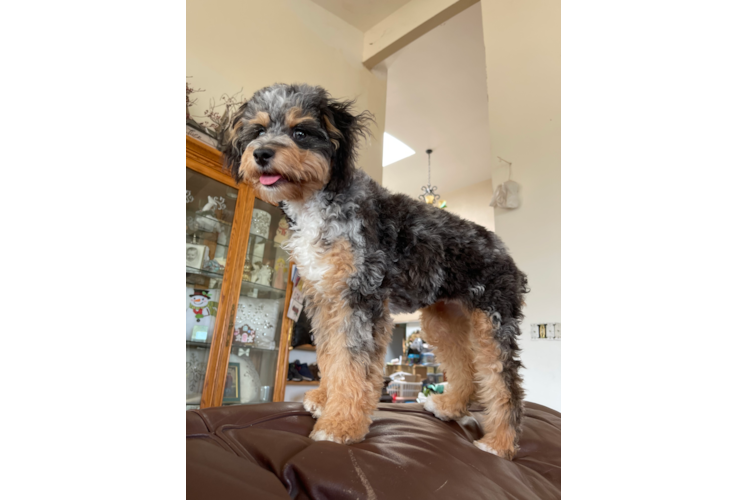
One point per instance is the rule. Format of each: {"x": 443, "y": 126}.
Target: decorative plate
{"x": 260, "y": 223}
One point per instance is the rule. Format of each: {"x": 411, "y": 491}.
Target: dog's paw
{"x": 324, "y": 436}
{"x": 314, "y": 403}
{"x": 340, "y": 431}
{"x": 430, "y": 406}
{"x": 313, "y": 408}
{"x": 443, "y": 408}
{"x": 491, "y": 448}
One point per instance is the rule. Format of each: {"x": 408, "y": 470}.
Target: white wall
{"x": 411, "y": 327}
{"x": 471, "y": 203}
{"x": 523, "y": 61}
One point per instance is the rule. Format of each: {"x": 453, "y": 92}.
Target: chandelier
{"x": 429, "y": 192}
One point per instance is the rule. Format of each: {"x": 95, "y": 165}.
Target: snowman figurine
{"x": 201, "y": 313}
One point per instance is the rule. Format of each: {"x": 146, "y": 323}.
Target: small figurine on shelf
{"x": 223, "y": 243}
{"x": 265, "y": 275}
{"x": 207, "y": 217}
{"x": 244, "y": 334}
{"x": 213, "y": 267}
{"x": 280, "y": 266}
{"x": 415, "y": 347}
{"x": 282, "y": 232}
{"x": 255, "y": 271}
{"x": 247, "y": 273}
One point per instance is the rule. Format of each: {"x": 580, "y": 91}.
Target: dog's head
{"x": 290, "y": 141}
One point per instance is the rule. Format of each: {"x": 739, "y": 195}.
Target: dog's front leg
{"x": 315, "y": 399}
{"x": 350, "y": 349}
{"x": 344, "y": 366}
{"x": 351, "y": 332}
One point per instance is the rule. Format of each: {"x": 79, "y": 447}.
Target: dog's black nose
{"x": 263, "y": 155}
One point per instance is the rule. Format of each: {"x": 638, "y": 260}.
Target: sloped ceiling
{"x": 363, "y": 14}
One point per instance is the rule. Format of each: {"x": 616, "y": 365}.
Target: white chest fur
{"x": 305, "y": 244}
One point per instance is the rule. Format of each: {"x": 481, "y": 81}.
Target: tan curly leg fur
{"x": 492, "y": 393}
{"x": 447, "y": 328}
{"x": 314, "y": 400}
{"x": 345, "y": 418}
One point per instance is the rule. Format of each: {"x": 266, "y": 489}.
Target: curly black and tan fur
{"x": 365, "y": 252}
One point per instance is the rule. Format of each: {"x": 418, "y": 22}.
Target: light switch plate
{"x": 552, "y": 331}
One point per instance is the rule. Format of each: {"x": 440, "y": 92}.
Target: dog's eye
{"x": 261, "y": 132}
{"x": 299, "y": 134}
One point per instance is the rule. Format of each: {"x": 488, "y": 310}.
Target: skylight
{"x": 394, "y": 150}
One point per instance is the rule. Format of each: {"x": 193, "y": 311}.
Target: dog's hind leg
{"x": 446, "y": 327}
{"x": 499, "y": 383}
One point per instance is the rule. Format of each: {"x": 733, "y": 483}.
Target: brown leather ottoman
{"x": 262, "y": 451}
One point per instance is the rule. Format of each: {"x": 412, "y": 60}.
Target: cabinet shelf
{"x": 262, "y": 288}
{"x": 263, "y": 239}
{"x": 313, "y": 382}
{"x": 192, "y": 343}
{"x": 253, "y": 348}
{"x": 245, "y": 283}
{"x": 201, "y": 240}
{"x": 204, "y": 272}
{"x": 208, "y": 218}
{"x": 304, "y": 347}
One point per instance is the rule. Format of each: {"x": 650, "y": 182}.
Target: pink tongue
{"x": 267, "y": 180}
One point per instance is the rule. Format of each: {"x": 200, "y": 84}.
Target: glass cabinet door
{"x": 259, "y": 314}
{"x": 210, "y": 213}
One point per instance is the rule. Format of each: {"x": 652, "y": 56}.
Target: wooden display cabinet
{"x": 238, "y": 285}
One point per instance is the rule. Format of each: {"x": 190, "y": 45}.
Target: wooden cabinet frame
{"x": 207, "y": 161}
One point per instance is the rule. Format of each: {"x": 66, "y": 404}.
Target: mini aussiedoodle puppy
{"x": 365, "y": 253}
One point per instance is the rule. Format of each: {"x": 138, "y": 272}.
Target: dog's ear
{"x": 346, "y": 130}
{"x": 229, "y": 141}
